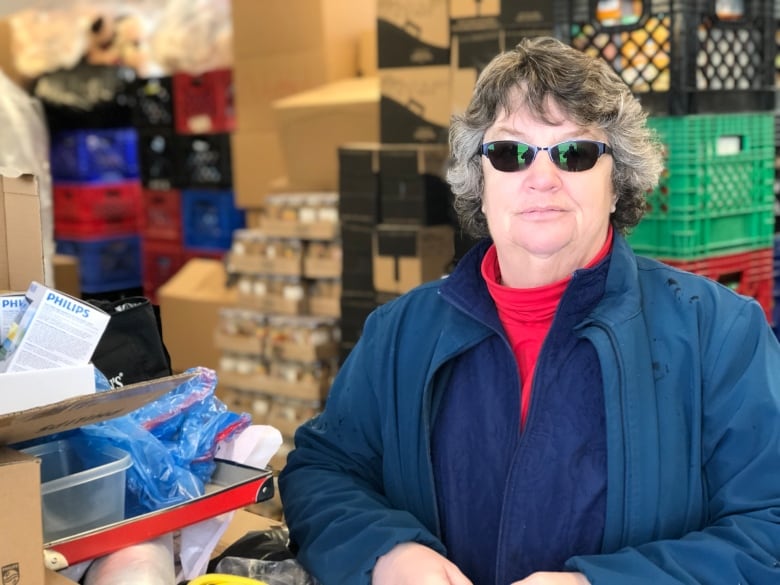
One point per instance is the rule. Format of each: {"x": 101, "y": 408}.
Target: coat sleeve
{"x": 332, "y": 486}
{"x": 740, "y": 435}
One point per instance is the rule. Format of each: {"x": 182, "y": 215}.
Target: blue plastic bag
{"x": 172, "y": 442}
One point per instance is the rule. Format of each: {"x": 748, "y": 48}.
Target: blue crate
{"x": 209, "y": 218}
{"x": 95, "y": 155}
{"x": 106, "y": 264}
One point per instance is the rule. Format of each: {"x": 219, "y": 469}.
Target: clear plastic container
{"x": 82, "y": 486}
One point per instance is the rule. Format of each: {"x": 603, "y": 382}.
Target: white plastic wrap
{"x": 56, "y": 34}
{"x": 193, "y": 36}
{"x": 46, "y": 40}
{"x": 24, "y": 145}
{"x": 148, "y": 563}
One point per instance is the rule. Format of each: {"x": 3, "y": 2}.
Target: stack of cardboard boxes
{"x": 281, "y": 50}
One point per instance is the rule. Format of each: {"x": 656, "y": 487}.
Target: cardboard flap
{"x": 83, "y": 410}
{"x": 21, "y": 240}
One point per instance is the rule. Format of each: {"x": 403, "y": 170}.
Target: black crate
{"x": 412, "y": 186}
{"x": 203, "y": 160}
{"x": 777, "y": 56}
{"x": 153, "y": 103}
{"x": 354, "y": 311}
{"x": 680, "y": 57}
{"x": 415, "y": 199}
{"x": 156, "y": 158}
{"x": 357, "y": 272}
{"x": 359, "y": 184}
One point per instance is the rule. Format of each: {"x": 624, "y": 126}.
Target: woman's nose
{"x": 542, "y": 173}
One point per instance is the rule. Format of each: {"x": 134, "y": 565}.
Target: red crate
{"x": 96, "y": 209}
{"x": 161, "y": 217}
{"x": 203, "y": 104}
{"x": 160, "y": 261}
{"x": 748, "y": 273}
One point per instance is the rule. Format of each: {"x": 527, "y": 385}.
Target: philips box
{"x": 11, "y": 306}
{"x": 55, "y": 330}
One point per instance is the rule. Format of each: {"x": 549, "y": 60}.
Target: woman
{"x": 557, "y": 410}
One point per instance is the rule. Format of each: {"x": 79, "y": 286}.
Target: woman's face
{"x": 544, "y": 218}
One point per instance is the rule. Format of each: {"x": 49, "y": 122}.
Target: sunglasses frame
{"x": 602, "y": 148}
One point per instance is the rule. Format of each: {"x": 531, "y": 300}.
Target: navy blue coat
{"x": 692, "y": 417}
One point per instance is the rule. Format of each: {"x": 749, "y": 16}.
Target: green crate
{"x": 716, "y": 195}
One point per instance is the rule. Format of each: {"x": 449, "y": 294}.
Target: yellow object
{"x": 220, "y": 579}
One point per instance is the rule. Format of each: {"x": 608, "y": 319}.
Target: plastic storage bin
{"x": 107, "y": 263}
{"x": 686, "y": 56}
{"x": 209, "y": 219}
{"x": 82, "y": 486}
{"x": 95, "y": 155}
{"x": 203, "y": 104}
{"x": 715, "y": 196}
{"x": 96, "y": 209}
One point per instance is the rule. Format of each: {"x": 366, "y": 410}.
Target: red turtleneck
{"x": 527, "y": 314}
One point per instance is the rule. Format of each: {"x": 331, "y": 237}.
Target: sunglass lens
{"x": 576, "y": 155}
{"x": 509, "y": 156}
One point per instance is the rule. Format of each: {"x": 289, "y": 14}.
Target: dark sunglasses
{"x": 509, "y": 156}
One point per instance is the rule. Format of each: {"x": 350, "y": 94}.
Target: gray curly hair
{"x": 587, "y": 91}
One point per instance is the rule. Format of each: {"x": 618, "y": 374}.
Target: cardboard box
{"x": 66, "y": 274}
{"x": 21, "y": 539}
{"x": 33, "y": 388}
{"x": 261, "y": 79}
{"x": 473, "y": 9}
{"x": 367, "y": 54}
{"x": 412, "y": 33}
{"x": 331, "y": 26}
{"x": 72, "y": 413}
{"x": 471, "y": 51}
{"x": 313, "y": 124}
{"x": 257, "y": 162}
{"x": 406, "y": 256}
{"x": 21, "y": 237}
{"x": 242, "y": 523}
{"x": 189, "y": 309}
{"x": 529, "y": 13}
{"x": 415, "y": 104}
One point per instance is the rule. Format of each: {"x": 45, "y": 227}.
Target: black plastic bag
{"x": 263, "y": 555}
{"x": 87, "y": 96}
{"x": 132, "y": 348}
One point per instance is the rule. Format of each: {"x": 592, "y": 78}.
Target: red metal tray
{"x": 233, "y": 486}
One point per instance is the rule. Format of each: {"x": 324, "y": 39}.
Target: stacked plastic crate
{"x": 161, "y": 233}
{"x": 185, "y": 122}
{"x": 97, "y": 202}
{"x": 204, "y": 117}
{"x": 706, "y": 75}
{"x": 776, "y": 310}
